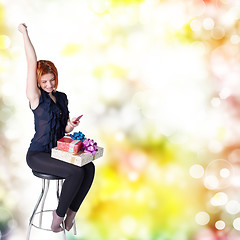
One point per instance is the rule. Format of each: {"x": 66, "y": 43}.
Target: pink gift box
{"x": 68, "y": 144}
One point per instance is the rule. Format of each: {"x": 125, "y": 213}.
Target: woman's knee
{"x": 90, "y": 168}
{"x": 76, "y": 172}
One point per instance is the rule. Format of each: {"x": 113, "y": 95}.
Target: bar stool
{"x": 45, "y": 186}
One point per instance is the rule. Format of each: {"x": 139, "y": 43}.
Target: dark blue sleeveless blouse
{"x": 50, "y": 120}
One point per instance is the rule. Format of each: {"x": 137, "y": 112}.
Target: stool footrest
{"x": 46, "y": 229}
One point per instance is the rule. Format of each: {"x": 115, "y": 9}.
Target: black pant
{"x": 78, "y": 180}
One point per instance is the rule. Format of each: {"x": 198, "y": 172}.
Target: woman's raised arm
{"x": 32, "y": 90}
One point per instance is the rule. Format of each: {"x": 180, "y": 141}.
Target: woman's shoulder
{"x": 61, "y": 96}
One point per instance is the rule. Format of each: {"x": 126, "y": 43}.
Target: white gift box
{"x": 79, "y": 159}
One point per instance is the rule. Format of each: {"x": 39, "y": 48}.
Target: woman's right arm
{"x": 32, "y": 90}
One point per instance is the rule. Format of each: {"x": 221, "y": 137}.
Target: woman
{"x": 51, "y": 117}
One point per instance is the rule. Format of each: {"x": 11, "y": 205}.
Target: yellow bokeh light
{"x": 5, "y": 42}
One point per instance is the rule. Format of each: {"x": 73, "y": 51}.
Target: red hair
{"x": 44, "y": 67}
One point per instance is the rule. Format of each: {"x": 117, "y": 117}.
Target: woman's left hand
{"x": 72, "y": 123}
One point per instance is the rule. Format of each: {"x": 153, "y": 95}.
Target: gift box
{"x": 68, "y": 144}
{"x": 79, "y": 159}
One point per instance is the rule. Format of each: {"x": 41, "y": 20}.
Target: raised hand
{"x": 22, "y": 27}
{"x": 32, "y": 91}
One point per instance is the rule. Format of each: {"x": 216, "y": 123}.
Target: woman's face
{"x": 48, "y": 82}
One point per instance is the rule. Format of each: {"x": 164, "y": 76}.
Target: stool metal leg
{"x": 64, "y": 231}
{"x": 74, "y": 228}
{"x": 35, "y": 209}
{"x": 43, "y": 202}
{"x": 58, "y": 188}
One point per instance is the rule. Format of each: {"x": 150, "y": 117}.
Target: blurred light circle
{"x": 232, "y": 207}
{"x": 218, "y": 33}
{"x": 220, "y": 225}
{"x": 11, "y": 134}
{"x": 202, "y": 218}
{"x": 235, "y": 39}
{"x": 224, "y": 173}
{"x": 236, "y": 223}
{"x": 219, "y": 199}
{"x": 133, "y": 176}
{"x": 211, "y": 182}
{"x": 137, "y": 160}
{"x": 218, "y": 174}
{"x": 195, "y": 25}
{"x": 234, "y": 156}
{"x": 128, "y": 225}
{"x": 196, "y": 171}
{"x": 208, "y": 23}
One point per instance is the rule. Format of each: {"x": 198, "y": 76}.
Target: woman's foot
{"x": 69, "y": 219}
{"x": 56, "y": 222}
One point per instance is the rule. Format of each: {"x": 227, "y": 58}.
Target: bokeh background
{"x": 158, "y": 84}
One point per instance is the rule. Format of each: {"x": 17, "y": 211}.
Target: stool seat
{"x": 46, "y": 176}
